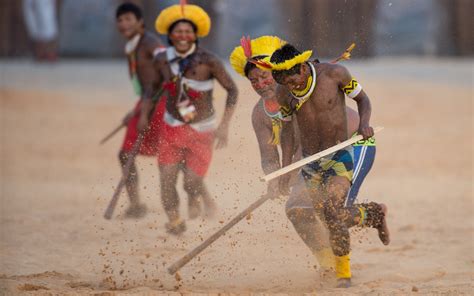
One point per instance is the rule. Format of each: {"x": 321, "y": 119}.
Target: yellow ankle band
{"x": 343, "y": 266}
{"x": 363, "y": 216}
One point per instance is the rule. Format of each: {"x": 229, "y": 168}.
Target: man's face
{"x": 182, "y": 37}
{"x": 296, "y": 82}
{"x": 262, "y": 82}
{"x": 128, "y": 25}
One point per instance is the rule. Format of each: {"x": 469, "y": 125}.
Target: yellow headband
{"x": 192, "y": 13}
{"x": 261, "y": 46}
{"x": 265, "y": 63}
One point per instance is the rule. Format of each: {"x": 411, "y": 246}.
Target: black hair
{"x": 129, "y": 7}
{"x": 250, "y": 66}
{"x": 181, "y": 21}
{"x": 286, "y": 52}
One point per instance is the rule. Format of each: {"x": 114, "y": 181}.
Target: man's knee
{"x": 190, "y": 187}
{"x": 123, "y": 157}
{"x": 193, "y": 184}
{"x": 337, "y": 188}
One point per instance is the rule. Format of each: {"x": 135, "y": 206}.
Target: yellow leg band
{"x": 326, "y": 258}
{"x": 343, "y": 266}
{"x": 363, "y": 216}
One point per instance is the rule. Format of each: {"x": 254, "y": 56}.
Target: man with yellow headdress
{"x": 314, "y": 94}
{"x": 189, "y": 131}
{"x": 267, "y": 120}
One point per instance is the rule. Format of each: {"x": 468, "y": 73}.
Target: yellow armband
{"x": 352, "y": 89}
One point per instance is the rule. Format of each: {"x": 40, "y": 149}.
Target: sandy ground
{"x": 56, "y": 182}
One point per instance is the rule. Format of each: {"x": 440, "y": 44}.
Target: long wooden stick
{"x": 316, "y": 156}
{"x": 111, "y": 134}
{"x": 186, "y": 258}
{"x": 126, "y": 172}
{"x": 189, "y": 256}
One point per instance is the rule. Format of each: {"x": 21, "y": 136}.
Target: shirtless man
{"x": 314, "y": 94}
{"x": 265, "y": 120}
{"x": 188, "y": 72}
{"x": 141, "y": 48}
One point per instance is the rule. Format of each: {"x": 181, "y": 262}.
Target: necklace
{"x": 310, "y": 85}
{"x": 276, "y": 114}
{"x": 302, "y": 99}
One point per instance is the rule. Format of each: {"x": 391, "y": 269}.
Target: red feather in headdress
{"x": 261, "y": 63}
{"x": 247, "y": 46}
{"x": 183, "y": 3}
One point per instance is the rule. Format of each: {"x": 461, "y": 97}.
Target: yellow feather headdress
{"x": 183, "y": 11}
{"x": 265, "y": 63}
{"x": 261, "y": 46}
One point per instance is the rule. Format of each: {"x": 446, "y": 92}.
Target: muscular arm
{"x": 288, "y": 140}
{"x": 288, "y": 131}
{"x": 364, "y": 107}
{"x": 149, "y": 80}
{"x": 224, "y": 79}
{"x": 270, "y": 159}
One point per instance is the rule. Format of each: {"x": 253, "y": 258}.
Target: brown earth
{"x": 56, "y": 182}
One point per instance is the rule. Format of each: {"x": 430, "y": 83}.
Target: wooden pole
{"x": 316, "y": 156}
{"x": 186, "y": 258}
{"x": 126, "y": 171}
{"x": 111, "y": 134}
{"x": 197, "y": 250}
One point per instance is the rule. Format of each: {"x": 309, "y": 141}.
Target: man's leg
{"x": 339, "y": 219}
{"x": 364, "y": 157}
{"x": 135, "y": 210}
{"x": 335, "y": 191}
{"x": 196, "y": 189}
{"x": 314, "y": 234}
{"x": 309, "y": 226}
{"x": 169, "y": 197}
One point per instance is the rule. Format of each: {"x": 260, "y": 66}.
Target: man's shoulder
{"x": 152, "y": 43}
{"x": 151, "y": 38}
{"x": 330, "y": 69}
{"x": 206, "y": 55}
{"x": 259, "y": 118}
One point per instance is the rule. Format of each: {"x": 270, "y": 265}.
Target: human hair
{"x": 286, "y": 52}
{"x": 250, "y": 66}
{"x": 170, "y": 29}
{"x": 128, "y": 7}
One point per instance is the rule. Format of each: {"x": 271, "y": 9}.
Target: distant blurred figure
{"x": 141, "y": 48}
{"x": 41, "y": 22}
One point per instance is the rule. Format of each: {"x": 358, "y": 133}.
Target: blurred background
{"x": 414, "y": 58}
{"x": 86, "y": 28}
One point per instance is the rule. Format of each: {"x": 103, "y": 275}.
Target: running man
{"x": 141, "y": 47}
{"x": 265, "y": 120}
{"x": 313, "y": 94}
{"x": 188, "y": 73}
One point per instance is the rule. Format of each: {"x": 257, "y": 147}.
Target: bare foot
{"x": 343, "y": 283}
{"x": 136, "y": 211}
{"x": 194, "y": 207}
{"x": 384, "y": 233}
{"x": 176, "y": 227}
{"x": 210, "y": 208}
